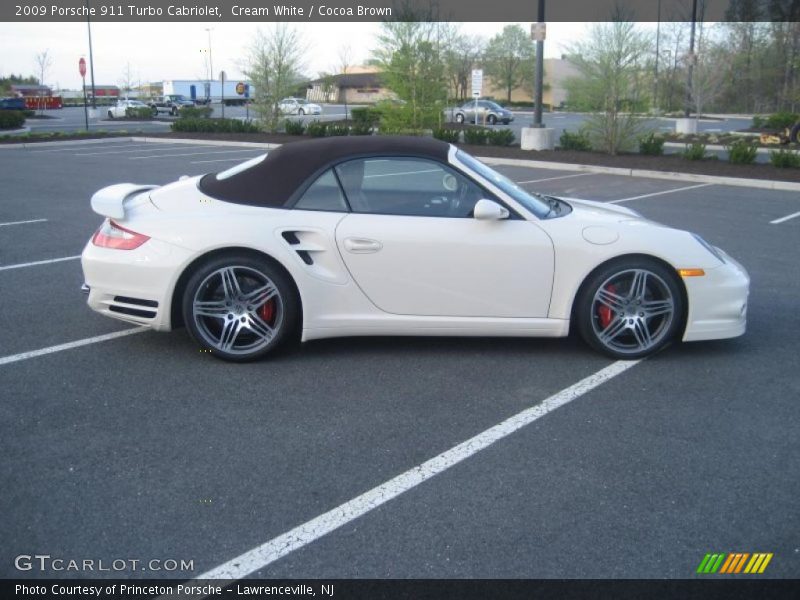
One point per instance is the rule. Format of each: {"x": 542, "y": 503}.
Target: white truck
{"x": 204, "y": 91}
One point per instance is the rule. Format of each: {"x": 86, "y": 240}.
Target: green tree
{"x": 609, "y": 60}
{"x": 410, "y": 59}
{"x": 509, "y": 59}
{"x": 274, "y": 67}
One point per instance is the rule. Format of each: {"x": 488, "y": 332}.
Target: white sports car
{"x": 397, "y": 236}
{"x": 119, "y": 110}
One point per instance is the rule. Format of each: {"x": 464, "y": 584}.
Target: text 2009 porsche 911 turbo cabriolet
{"x": 397, "y": 236}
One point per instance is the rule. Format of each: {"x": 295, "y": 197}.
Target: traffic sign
{"x": 222, "y": 76}
{"x": 477, "y": 81}
{"x": 240, "y": 88}
{"x": 82, "y": 67}
{"x": 538, "y": 32}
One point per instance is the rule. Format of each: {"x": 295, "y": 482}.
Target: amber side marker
{"x": 691, "y": 272}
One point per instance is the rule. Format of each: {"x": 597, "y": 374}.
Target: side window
{"x": 407, "y": 186}
{"x": 323, "y": 194}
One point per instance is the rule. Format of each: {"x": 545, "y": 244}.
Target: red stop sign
{"x": 82, "y": 67}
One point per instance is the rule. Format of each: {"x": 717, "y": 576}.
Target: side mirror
{"x": 488, "y": 210}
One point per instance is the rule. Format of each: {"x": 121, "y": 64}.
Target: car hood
{"x": 593, "y": 210}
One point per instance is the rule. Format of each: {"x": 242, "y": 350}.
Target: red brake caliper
{"x": 267, "y": 311}
{"x": 604, "y": 313}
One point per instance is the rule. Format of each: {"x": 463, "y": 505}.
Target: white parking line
{"x": 552, "y": 178}
{"x": 683, "y": 189}
{"x": 235, "y": 158}
{"x": 267, "y": 553}
{"x": 70, "y": 345}
{"x": 784, "y": 219}
{"x": 176, "y": 147}
{"x": 22, "y": 222}
{"x": 188, "y": 154}
{"x": 38, "y": 262}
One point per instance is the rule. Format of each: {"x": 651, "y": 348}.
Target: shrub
{"x": 11, "y": 119}
{"x": 365, "y": 114}
{"x": 574, "y": 141}
{"x": 294, "y": 127}
{"x": 476, "y": 136}
{"x": 28, "y": 112}
{"x": 194, "y": 112}
{"x": 361, "y": 129}
{"x": 781, "y": 120}
{"x": 316, "y": 129}
{"x": 651, "y": 145}
{"x": 139, "y": 112}
{"x": 694, "y": 151}
{"x": 742, "y": 152}
{"x": 759, "y": 122}
{"x": 451, "y": 136}
{"x": 784, "y": 159}
{"x": 336, "y": 130}
{"x": 500, "y": 137}
{"x": 214, "y": 126}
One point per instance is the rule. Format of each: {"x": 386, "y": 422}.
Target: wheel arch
{"x": 623, "y": 258}
{"x": 176, "y": 313}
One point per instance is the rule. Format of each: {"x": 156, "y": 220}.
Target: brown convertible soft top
{"x": 274, "y": 181}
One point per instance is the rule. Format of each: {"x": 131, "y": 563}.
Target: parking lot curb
{"x": 104, "y": 140}
{"x": 764, "y": 184}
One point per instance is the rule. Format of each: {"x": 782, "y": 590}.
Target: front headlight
{"x": 709, "y": 247}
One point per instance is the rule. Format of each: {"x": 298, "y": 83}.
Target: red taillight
{"x": 111, "y": 235}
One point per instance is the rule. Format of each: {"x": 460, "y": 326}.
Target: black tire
{"x": 301, "y": 112}
{"x": 794, "y": 134}
{"x": 110, "y": 115}
{"x": 491, "y": 120}
{"x": 155, "y": 113}
{"x": 174, "y": 111}
{"x": 232, "y": 329}
{"x": 627, "y": 323}
{"x": 459, "y": 118}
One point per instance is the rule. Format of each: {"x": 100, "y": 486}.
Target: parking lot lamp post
{"x": 91, "y": 60}
{"x": 537, "y": 113}
{"x": 210, "y": 64}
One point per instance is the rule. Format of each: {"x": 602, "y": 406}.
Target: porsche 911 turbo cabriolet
{"x": 397, "y": 236}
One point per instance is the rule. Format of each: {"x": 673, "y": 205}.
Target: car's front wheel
{"x": 110, "y": 115}
{"x": 492, "y": 119}
{"x": 240, "y": 307}
{"x": 301, "y": 112}
{"x": 459, "y": 118}
{"x": 630, "y": 309}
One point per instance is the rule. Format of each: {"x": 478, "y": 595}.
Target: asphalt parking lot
{"x": 142, "y": 448}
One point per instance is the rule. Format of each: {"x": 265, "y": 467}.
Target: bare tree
{"x": 275, "y": 65}
{"x": 43, "y": 61}
{"x": 345, "y": 62}
{"x": 126, "y": 82}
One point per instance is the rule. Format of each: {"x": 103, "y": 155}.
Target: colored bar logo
{"x": 734, "y": 562}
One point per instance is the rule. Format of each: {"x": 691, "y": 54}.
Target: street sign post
{"x": 477, "y": 86}
{"x": 82, "y": 71}
{"x": 222, "y": 81}
{"x": 538, "y": 32}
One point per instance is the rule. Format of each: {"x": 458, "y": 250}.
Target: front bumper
{"x": 134, "y": 285}
{"x": 717, "y": 302}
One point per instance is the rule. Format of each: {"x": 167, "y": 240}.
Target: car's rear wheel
{"x": 301, "y": 112}
{"x": 240, "y": 307}
{"x": 459, "y": 118}
{"x": 630, "y": 309}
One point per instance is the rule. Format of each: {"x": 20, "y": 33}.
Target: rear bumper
{"x": 717, "y": 303}
{"x": 134, "y": 285}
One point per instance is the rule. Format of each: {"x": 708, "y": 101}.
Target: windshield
{"x": 533, "y": 203}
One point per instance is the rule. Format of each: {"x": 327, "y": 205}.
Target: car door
{"x": 412, "y": 246}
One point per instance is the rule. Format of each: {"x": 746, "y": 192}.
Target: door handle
{"x": 362, "y": 245}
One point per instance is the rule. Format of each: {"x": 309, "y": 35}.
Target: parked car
{"x": 169, "y": 103}
{"x": 390, "y": 235}
{"x": 488, "y": 112}
{"x": 299, "y": 106}
{"x": 119, "y": 109}
{"x": 12, "y": 103}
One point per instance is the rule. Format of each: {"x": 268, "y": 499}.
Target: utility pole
{"x": 537, "y": 112}
{"x": 690, "y": 69}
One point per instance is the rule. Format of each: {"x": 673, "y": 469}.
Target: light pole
{"x": 537, "y": 112}
{"x": 91, "y": 60}
{"x": 690, "y": 70}
{"x": 655, "y": 78}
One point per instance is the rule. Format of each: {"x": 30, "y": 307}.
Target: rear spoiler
{"x": 110, "y": 201}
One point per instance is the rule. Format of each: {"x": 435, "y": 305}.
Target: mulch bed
{"x": 668, "y": 163}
